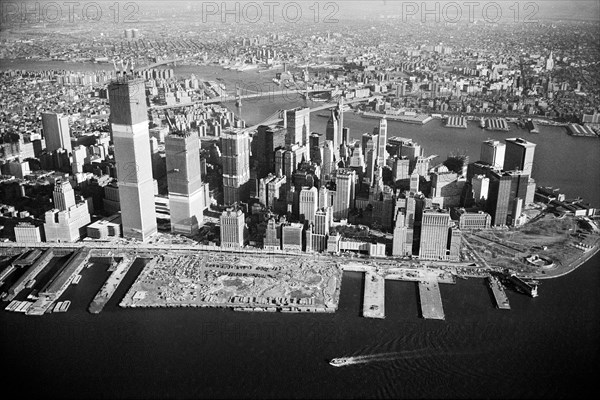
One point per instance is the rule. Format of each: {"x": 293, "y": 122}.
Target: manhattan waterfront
{"x": 253, "y": 200}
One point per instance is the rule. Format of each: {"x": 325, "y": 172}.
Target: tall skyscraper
{"x": 344, "y": 193}
{"x": 414, "y": 182}
{"x": 56, "y": 132}
{"x": 370, "y": 160}
{"x": 434, "y": 235}
{"x": 129, "y": 124}
{"x": 399, "y": 245}
{"x": 320, "y": 229}
{"x": 272, "y": 240}
{"x": 275, "y": 189}
{"x": 186, "y": 197}
{"x": 340, "y": 109}
{"x": 316, "y": 155}
{"x": 504, "y": 188}
{"x": 235, "y": 156}
{"x": 233, "y": 228}
{"x": 550, "y": 63}
{"x": 298, "y": 126}
{"x": 493, "y": 152}
{"x": 382, "y": 152}
{"x": 411, "y": 150}
{"x": 309, "y": 202}
{"x": 332, "y": 130}
{"x": 519, "y": 155}
{"x": 369, "y": 142}
{"x": 328, "y": 165}
{"x": 63, "y": 195}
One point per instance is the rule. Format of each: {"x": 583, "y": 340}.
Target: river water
{"x": 545, "y": 347}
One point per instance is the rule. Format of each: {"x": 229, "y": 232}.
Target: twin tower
{"x": 131, "y": 139}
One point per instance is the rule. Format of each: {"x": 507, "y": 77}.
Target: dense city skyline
{"x": 276, "y": 157}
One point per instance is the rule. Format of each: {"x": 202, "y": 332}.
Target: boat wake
{"x": 381, "y": 357}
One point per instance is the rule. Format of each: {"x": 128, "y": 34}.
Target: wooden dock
{"x": 499, "y": 293}
{"x": 374, "y": 296}
{"x": 431, "y": 299}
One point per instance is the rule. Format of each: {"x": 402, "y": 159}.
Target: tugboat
{"x": 340, "y": 362}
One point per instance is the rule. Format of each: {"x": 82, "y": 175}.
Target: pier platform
{"x": 374, "y": 296}
{"x": 59, "y": 283}
{"x": 111, "y": 284}
{"x": 431, "y": 299}
{"x": 33, "y": 271}
{"x": 499, "y": 293}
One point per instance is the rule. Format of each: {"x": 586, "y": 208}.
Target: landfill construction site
{"x": 239, "y": 281}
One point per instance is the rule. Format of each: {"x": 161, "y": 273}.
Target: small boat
{"x": 65, "y": 306}
{"x": 340, "y": 362}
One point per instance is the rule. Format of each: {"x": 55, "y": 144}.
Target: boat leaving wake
{"x": 381, "y": 357}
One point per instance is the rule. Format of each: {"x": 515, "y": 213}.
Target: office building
{"x": 235, "y": 157}
{"x": 129, "y": 125}
{"x": 401, "y": 168}
{"x": 298, "y": 126}
{"x": 79, "y": 159}
{"x": 63, "y": 195}
{"x": 370, "y": 167}
{"x": 66, "y": 225}
{"x": 434, "y": 235}
{"x": 475, "y": 221}
{"x": 105, "y": 228}
{"x": 399, "y": 245}
{"x": 272, "y": 240}
{"x": 308, "y": 203}
{"x": 519, "y": 155}
{"x": 320, "y": 231}
{"x": 184, "y": 180}
{"x": 233, "y": 228}
{"x": 381, "y": 146}
{"x": 369, "y": 142}
{"x": 332, "y": 131}
{"x": 344, "y": 193}
{"x": 291, "y": 237}
{"x": 504, "y": 187}
{"x": 26, "y": 232}
{"x": 56, "y": 132}
{"x": 414, "y": 182}
{"x": 480, "y": 185}
{"x": 493, "y": 153}
{"x": 328, "y": 166}
{"x": 275, "y": 190}
{"x": 315, "y": 149}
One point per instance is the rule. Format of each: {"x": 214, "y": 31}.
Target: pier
{"x": 431, "y": 299}
{"x": 111, "y": 284}
{"x": 499, "y": 293}
{"x": 374, "y": 296}
{"x": 456, "y": 122}
{"x": 60, "y": 282}
{"x": 31, "y": 273}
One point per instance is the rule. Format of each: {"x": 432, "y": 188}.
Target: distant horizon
{"x": 582, "y": 10}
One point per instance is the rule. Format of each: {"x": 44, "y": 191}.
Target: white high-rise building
{"x": 131, "y": 138}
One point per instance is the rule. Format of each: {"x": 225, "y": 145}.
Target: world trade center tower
{"x": 129, "y": 124}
